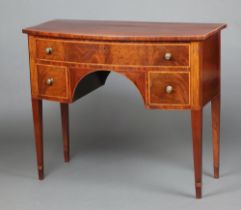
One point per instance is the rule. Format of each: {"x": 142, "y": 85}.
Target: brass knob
{"x": 169, "y": 89}
{"x": 49, "y": 50}
{"x": 168, "y": 56}
{"x": 50, "y": 81}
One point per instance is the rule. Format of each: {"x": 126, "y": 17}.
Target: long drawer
{"x": 115, "y": 53}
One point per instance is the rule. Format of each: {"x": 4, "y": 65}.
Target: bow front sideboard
{"x": 173, "y": 65}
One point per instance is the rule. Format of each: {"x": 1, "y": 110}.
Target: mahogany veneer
{"x": 173, "y": 65}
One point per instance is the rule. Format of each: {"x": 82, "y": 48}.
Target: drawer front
{"x": 52, "y": 81}
{"x": 132, "y": 54}
{"x": 168, "y": 88}
{"x": 50, "y": 50}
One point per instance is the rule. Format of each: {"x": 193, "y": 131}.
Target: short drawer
{"x": 52, "y": 81}
{"x": 168, "y": 88}
{"x": 130, "y": 54}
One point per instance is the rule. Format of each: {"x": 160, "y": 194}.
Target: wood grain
{"x": 157, "y": 88}
{"x": 211, "y": 68}
{"x": 124, "y": 30}
{"x": 126, "y": 54}
{"x": 196, "y": 75}
{"x": 197, "y": 149}
{"x": 38, "y": 131}
{"x": 60, "y": 81}
{"x": 64, "y": 109}
{"x": 32, "y": 65}
{"x": 77, "y": 75}
{"x": 215, "y": 107}
{"x": 84, "y": 53}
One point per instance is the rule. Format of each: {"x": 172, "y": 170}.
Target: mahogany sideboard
{"x": 173, "y": 65}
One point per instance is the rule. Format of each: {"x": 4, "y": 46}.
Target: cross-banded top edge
{"x": 124, "y": 30}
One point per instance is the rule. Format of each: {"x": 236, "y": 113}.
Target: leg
{"x": 65, "y": 127}
{"x": 197, "y": 149}
{"x": 215, "y": 104}
{"x": 38, "y": 130}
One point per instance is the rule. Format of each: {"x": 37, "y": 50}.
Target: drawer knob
{"x": 168, "y": 56}
{"x": 49, "y": 50}
{"x": 50, "y": 81}
{"x": 169, "y": 89}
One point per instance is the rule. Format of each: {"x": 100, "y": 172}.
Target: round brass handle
{"x": 169, "y": 89}
{"x": 50, "y": 81}
{"x": 168, "y": 56}
{"x": 49, "y": 50}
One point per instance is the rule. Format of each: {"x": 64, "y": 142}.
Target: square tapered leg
{"x": 38, "y": 131}
{"x": 215, "y": 106}
{"x": 65, "y": 129}
{"x": 197, "y": 149}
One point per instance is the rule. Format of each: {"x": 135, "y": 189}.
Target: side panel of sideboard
{"x": 205, "y": 70}
{"x": 211, "y": 68}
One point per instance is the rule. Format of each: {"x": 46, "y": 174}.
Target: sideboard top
{"x": 124, "y": 30}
